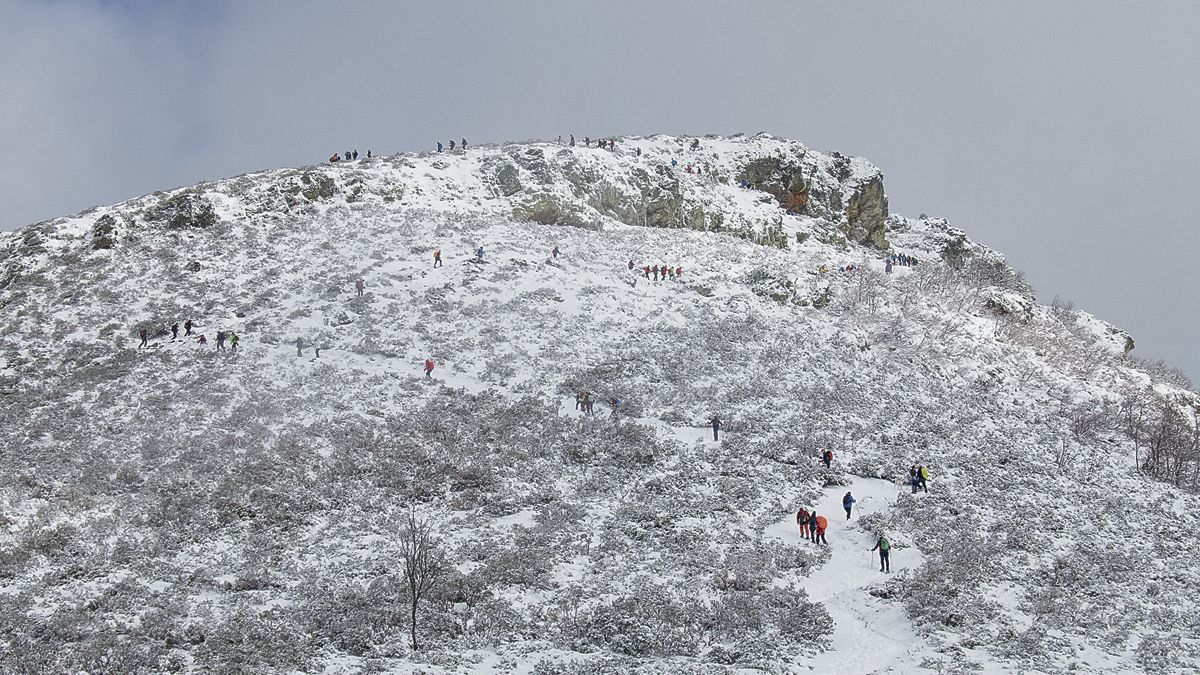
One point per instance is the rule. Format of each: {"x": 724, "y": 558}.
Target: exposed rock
{"x": 508, "y": 180}
{"x": 866, "y": 212}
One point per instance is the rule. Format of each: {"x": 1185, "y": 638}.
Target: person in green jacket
{"x": 884, "y": 547}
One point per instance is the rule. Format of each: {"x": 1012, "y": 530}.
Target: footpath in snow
{"x": 870, "y": 635}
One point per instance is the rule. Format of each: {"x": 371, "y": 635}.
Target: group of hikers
{"x": 585, "y": 401}
{"x": 223, "y": 337}
{"x": 812, "y": 528}
{"x": 441, "y": 147}
{"x": 346, "y": 156}
{"x": 918, "y": 476}
{"x": 659, "y": 272}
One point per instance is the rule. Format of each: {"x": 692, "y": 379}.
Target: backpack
{"x": 884, "y": 545}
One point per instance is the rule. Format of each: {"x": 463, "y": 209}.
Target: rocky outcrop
{"x": 866, "y": 211}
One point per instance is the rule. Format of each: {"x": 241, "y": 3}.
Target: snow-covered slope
{"x": 176, "y": 508}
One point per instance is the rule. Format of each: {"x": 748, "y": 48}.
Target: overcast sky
{"x": 1064, "y": 134}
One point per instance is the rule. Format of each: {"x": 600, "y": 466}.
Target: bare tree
{"x": 424, "y": 563}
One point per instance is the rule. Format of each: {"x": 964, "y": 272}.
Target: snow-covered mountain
{"x": 176, "y": 508}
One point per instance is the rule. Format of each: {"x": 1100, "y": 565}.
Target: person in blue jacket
{"x": 848, "y": 503}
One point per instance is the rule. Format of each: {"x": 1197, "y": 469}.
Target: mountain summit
{"x": 511, "y": 461}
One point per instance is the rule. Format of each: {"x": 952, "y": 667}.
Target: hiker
{"x": 334, "y": 158}
{"x": 922, "y": 476}
{"x": 233, "y": 340}
{"x": 639, "y": 152}
{"x": 884, "y": 546}
{"x": 913, "y": 482}
{"x": 589, "y": 402}
{"x": 347, "y": 155}
{"x": 220, "y": 340}
{"x": 887, "y": 267}
{"x": 674, "y": 162}
{"x": 654, "y": 269}
{"x": 464, "y": 144}
{"x": 368, "y": 153}
{"x": 822, "y": 523}
{"x": 451, "y": 146}
{"x": 716, "y": 425}
{"x": 646, "y": 269}
{"x": 187, "y": 328}
{"x": 358, "y": 286}
{"x": 689, "y": 168}
{"x": 479, "y": 253}
{"x": 316, "y": 348}
{"x": 662, "y": 272}
{"x": 355, "y": 153}
{"x": 145, "y": 335}
{"x": 848, "y": 504}
{"x": 174, "y": 331}
{"x": 439, "y": 146}
{"x": 812, "y": 526}
{"x": 437, "y": 258}
{"x": 572, "y": 140}
{"x": 802, "y": 522}
{"x": 612, "y": 144}
{"x": 554, "y": 252}
{"x": 827, "y": 457}
{"x": 202, "y": 340}
{"x": 678, "y": 272}
{"x": 587, "y": 141}
{"x": 299, "y": 346}
{"x": 631, "y": 264}
{"x": 579, "y": 400}
{"x": 428, "y": 368}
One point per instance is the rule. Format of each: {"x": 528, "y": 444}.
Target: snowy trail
{"x": 870, "y": 635}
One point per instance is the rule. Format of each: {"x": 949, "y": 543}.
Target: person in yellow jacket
{"x": 922, "y": 476}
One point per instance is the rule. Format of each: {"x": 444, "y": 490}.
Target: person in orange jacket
{"x": 428, "y": 367}
{"x": 822, "y": 523}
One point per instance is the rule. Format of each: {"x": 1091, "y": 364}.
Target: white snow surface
{"x": 178, "y": 509}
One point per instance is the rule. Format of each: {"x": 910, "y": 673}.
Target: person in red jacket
{"x": 428, "y": 367}
{"x": 802, "y": 522}
{"x": 647, "y": 270}
{"x": 827, "y": 457}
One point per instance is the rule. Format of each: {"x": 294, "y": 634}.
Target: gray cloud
{"x": 1063, "y": 134}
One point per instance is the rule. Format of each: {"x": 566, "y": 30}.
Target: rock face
{"x": 866, "y": 211}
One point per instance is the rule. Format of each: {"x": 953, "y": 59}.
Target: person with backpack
{"x": 202, "y": 340}
{"x": 479, "y": 253}
{"x": 359, "y": 285}
{"x": 821, "y": 523}
{"x": 145, "y": 335}
{"x": 220, "y": 340}
{"x": 827, "y": 457}
{"x": 439, "y": 146}
{"x": 884, "y": 547}
{"x": 428, "y": 368}
{"x": 716, "y": 425}
{"x": 922, "y": 476}
{"x": 174, "y": 331}
{"x": 299, "y": 346}
{"x": 233, "y": 340}
{"x": 554, "y": 253}
{"x": 802, "y": 522}
{"x": 464, "y": 144}
{"x": 572, "y": 143}
{"x": 914, "y": 481}
{"x": 579, "y": 400}
{"x": 848, "y": 504}
{"x": 452, "y": 145}
{"x": 437, "y": 258}
{"x": 354, "y": 155}
{"x": 187, "y": 328}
